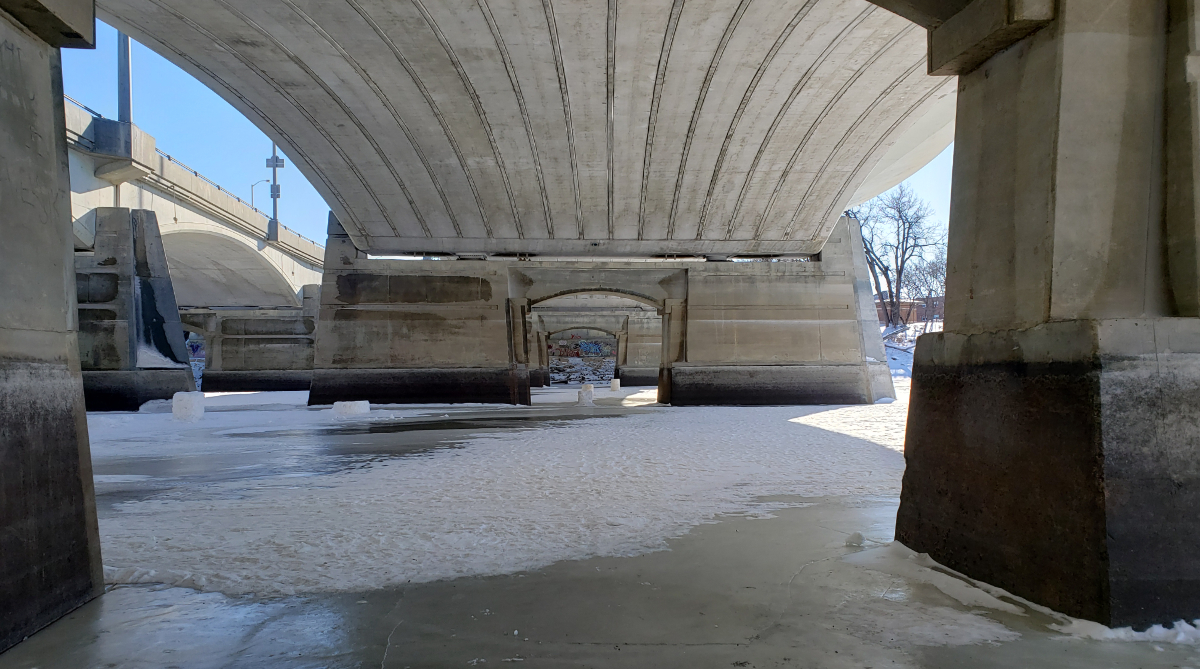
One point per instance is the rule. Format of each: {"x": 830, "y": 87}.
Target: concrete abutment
{"x": 731, "y": 333}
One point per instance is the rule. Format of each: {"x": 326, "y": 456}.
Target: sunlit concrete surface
{"x": 627, "y": 535}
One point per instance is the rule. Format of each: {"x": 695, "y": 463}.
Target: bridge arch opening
{"x": 209, "y": 269}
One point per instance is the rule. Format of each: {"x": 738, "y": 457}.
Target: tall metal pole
{"x": 274, "y": 162}
{"x": 124, "y": 80}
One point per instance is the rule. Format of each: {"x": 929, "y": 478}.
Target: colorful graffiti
{"x": 581, "y": 348}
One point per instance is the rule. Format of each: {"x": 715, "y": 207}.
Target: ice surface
{"x": 349, "y": 409}
{"x": 898, "y": 560}
{"x": 187, "y": 407}
{"x": 496, "y": 504}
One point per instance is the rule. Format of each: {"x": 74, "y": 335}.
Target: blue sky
{"x": 194, "y": 125}
{"x": 201, "y": 130}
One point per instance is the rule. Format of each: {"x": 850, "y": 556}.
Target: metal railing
{"x": 82, "y": 106}
{"x": 194, "y": 172}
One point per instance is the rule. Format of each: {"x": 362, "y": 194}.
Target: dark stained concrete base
{"x": 637, "y": 376}
{"x": 420, "y": 386}
{"x": 538, "y": 378}
{"x": 1062, "y": 463}
{"x": 257, "y": 380}
{"x": 128, "y": 390}
{"x": 49, "y": 545}
{"x": 756, "y": 385}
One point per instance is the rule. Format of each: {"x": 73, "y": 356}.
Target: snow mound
{"x": 1180, "y": 633}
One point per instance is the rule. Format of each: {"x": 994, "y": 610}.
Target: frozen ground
{"x": 495, "y": 503}
{"x": 581, "y": 370}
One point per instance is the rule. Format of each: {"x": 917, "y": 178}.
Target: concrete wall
{"x": 756, "y": 332}
{"x": 256, "y": 349}
{"x": 49, "y": 544}
{"x": 130, "y": 339}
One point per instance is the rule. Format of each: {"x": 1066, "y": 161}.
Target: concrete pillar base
{"x": 538, "y": 378}
{"x": 752, "y": 385}
{"x": 420, "y": 386}
{"x": 637, "y": 376}
{"x": 130, "y": 389}
{"x": 1062, "y": 463}
{"x": 221, "y": 381}
{"x": 49, "y": 546}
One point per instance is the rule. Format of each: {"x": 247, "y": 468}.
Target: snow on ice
{"x": 501, "y": 503}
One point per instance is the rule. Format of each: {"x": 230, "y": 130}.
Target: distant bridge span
{"x": 216, "y": 243}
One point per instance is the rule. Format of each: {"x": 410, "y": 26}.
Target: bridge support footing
{"x": 757, "y": 385}
{"x": 420, "y": 386}
{"x": 127, "y": 390}
{"x": 1062, "y": 463}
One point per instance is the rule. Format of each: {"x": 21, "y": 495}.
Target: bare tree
{"x": 925, "y": 279}
{"x": 898, "y": 233}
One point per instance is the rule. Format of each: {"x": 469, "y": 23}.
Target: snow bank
{"x": 498, "y": 504}
{"x": 1179, "y": 633}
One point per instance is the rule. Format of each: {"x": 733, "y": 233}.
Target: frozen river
{"x": 271, "y": 534}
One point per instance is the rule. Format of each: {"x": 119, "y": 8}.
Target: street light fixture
{"x": 263, "y": 181}
{"x": 274, "y": 162}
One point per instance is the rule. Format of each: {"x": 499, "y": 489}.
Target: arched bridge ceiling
{"x": 621, "y": 127}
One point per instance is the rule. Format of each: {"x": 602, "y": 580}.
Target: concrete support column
{"x": 49, "y": 545}
{"x": 1053, "y": 441}
{"x": 674, "y": 345}
{"x": 131, "y": 341}
{"x": 622, "y": 353}
{"x": 518, "y": 339}
{"x": 407, "y": 331}
{"x": 778, "y": 332}
{"x": 543, "y": 357}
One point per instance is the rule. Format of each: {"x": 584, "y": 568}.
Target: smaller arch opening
{"x": 582, "y": 355}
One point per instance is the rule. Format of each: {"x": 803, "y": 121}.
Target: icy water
{"x": 628, "y": 535}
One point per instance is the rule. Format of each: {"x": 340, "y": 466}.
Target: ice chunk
{"x": 586, "y": 395}
{"x": 187, "y": 407}
{"x": 347, "y": 409}
{"x": 614, "y": 385}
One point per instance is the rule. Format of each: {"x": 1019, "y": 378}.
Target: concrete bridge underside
{"x": 1053, "y": 435}
{"x": 562, "y": 128}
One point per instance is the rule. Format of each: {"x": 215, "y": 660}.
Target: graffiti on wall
{"x": 581, "y": 348}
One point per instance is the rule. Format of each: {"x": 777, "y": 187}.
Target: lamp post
{"x": 275, "y": 163}
{"x": 261, "y": 181}
{"x": 124, "y": 79}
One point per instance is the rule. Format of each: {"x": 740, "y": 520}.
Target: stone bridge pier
{"x": 731, "y": 332}
{"x": 1053, "y": 442}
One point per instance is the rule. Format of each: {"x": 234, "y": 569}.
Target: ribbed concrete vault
{"x": 617, "y": 127}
